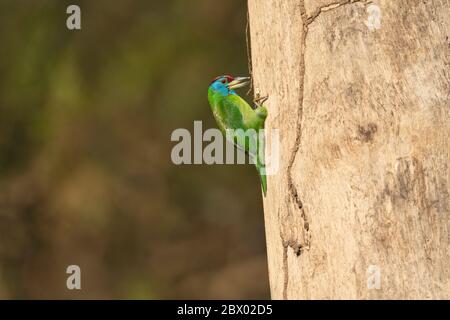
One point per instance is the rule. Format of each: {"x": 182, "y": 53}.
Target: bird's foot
{"x": 259, "y": 101}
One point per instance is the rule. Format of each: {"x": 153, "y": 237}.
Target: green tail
{"x": 263, "y": 178}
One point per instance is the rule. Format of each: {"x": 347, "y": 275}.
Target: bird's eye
{"x": 224, "y": 81}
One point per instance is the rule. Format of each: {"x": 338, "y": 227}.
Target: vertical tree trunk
{"x": 360, "y": 94}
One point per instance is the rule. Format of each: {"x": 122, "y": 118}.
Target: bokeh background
{"x": 85, "y": 171}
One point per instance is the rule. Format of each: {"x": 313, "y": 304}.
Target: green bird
{"x": 240, "y": 123}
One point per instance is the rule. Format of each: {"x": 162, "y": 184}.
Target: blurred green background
{"x": 85, "y": 171}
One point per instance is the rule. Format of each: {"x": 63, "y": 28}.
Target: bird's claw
{"x": 259, "y": 101}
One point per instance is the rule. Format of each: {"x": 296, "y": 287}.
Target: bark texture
{"x": 360, "y": 94}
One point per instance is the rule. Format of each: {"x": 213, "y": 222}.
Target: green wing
{"x": 236, "y": 114}
{"x": 245, "y": 123}
{"x": 240, "y": 114}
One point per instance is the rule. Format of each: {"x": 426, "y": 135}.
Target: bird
{"x": 234, "y": 115}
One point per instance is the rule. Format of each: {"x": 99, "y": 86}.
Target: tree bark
{"x": 360, "y": 94}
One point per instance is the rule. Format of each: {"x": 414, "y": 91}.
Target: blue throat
{"x": 222, "y": 89}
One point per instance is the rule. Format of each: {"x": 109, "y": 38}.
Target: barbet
{"x": 238, "y": 121}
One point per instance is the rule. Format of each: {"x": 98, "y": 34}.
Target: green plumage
{"x": 233, "y": 112}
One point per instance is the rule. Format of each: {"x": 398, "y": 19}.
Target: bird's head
{"x": 227, "y": 84}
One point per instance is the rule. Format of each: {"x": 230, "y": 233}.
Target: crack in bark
{"x": 306, "y": 21}
{"x": 291, "y": 186}
{"x": 297, "y": 246}
{"x": 330, "y": 7}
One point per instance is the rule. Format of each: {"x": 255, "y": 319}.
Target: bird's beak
{"x": 239, "y": 82}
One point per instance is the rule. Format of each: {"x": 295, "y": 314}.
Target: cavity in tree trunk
{"x": 360, "y": 207}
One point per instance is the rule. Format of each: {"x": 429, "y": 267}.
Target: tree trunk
{"x": 360, "y": 94}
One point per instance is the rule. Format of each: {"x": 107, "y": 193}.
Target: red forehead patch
{"x": 227, "y": 78}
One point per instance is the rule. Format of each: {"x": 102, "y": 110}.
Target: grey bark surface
{"x": 362, "y": 104}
